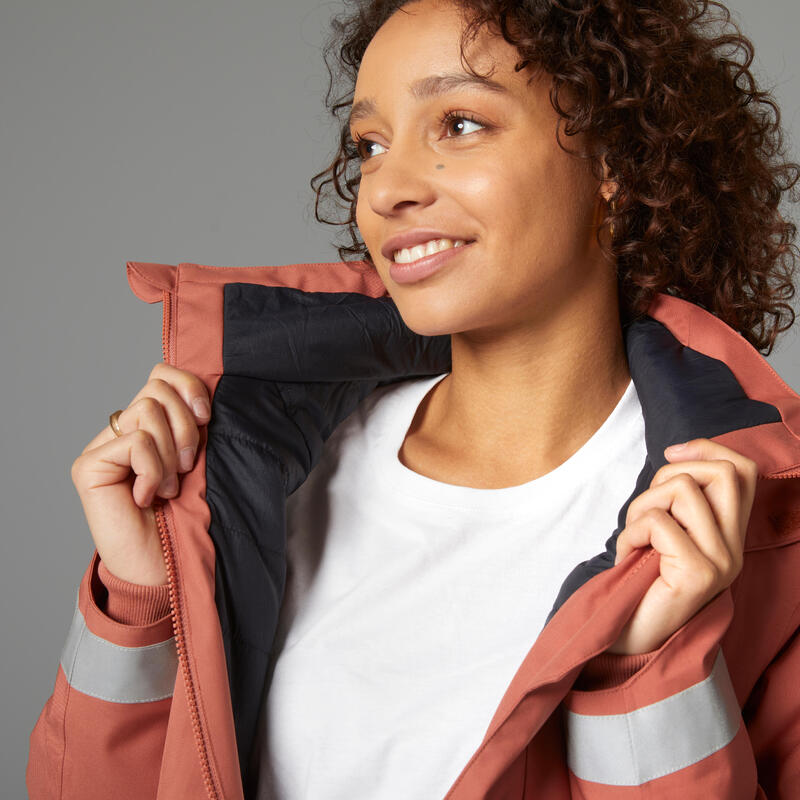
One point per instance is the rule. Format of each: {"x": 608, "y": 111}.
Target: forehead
{"x": 420, "y": 43}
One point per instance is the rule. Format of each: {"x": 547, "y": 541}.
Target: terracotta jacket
{"x": 168, "y": 709}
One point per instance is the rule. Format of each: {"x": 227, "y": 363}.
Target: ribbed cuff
{"x": 608, "y": 670}
{"x": 131, "y": 603}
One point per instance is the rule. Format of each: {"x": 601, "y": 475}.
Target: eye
{"x": 459, "y": 121}
{"x": 362, "y": 146}
{"x": 463, "y": 121}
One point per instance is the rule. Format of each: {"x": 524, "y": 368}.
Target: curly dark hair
{"x": 682, "y": 126}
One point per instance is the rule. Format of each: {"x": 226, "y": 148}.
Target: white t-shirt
{"x": 410, "y": 603}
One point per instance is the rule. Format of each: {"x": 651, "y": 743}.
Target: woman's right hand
{"x": 117, "y": 477}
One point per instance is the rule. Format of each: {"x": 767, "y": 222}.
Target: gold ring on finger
{"x": 113, "y": 421}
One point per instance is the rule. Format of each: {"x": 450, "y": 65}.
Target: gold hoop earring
{"x": 613, "y": 211}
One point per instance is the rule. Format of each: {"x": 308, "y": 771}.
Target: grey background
{"x": 156, "y": 131}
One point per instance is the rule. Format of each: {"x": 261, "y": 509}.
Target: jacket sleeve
{"x": 668, "y": 724}
{"x": 101, "y": 733}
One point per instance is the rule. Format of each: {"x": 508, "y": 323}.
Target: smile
{"x": 420, "y": 265}
{"x": 407, "y": 255}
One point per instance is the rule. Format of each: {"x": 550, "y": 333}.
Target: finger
{"x": 114, "y": 461}
{"x": 188, "y": 386}
{"x": 713, "y": 486}
{"x": 683, "y": 500}
{"x": 147, "y": 466}
{"x": 721, "y": 485}
{"x": 181, "y": 421}
{"x": 682, "y": 566}
{"x": 148, "y": 414}
{"x": 660, "y": 531}
{"x": 746, "y": 469}
{"x": 105, "y": 435}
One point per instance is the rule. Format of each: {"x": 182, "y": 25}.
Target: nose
{"x": 401, "y": 182}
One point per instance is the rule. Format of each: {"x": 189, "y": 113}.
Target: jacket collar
{"x": 694, "y": 375}
{"x": 685, "y": 394}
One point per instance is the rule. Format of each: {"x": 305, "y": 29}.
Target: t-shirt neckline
{"x": 398, "y": 410}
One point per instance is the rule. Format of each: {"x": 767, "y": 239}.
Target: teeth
{"x": 409, "y": 254}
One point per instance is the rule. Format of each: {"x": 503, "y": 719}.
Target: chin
{"x": 432, "y": 321}
{"x": 439, "y": 307}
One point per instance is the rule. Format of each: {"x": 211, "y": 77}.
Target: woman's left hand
{"x": 695, "y": 515}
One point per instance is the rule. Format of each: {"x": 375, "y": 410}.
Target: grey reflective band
{"x": 658, "y": 739}
{"x": 119, "y": 674}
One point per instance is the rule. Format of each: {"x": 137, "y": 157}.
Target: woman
{"x": 430, "y": 537}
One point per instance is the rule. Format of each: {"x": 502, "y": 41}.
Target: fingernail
{"x": 186, "y": 458}
{"x": 674, "y": 448}
{"x": 201, "y": 408}
{"x": 171, "y": 484}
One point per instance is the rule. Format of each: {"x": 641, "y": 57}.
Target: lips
{"x": 416, "y": 236}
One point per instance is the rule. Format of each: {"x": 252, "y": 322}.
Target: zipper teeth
{"x": 174, "y": 598}
{"x": 177, "y": 627}
{"x": 165, "y": 326}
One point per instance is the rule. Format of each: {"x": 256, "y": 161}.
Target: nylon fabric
{"x": 297, "y": 363}
{"x": 684, "y": 395}
{"x": 271, "y": 414}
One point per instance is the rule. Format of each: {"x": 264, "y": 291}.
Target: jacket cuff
{"x": 675, "y": 709}
{"x": 609, "y": 670}
{"x": 132, "y": 603}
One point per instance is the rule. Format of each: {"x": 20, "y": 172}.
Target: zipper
{"x": 175, "y": 605}
{"x": 791, "y": 472}
{"x": 166, "y": 328}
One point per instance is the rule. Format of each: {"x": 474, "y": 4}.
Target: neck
{"x": 517, "y": 405}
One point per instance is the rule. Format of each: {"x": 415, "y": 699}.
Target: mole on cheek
{"x": 440, "y": 166}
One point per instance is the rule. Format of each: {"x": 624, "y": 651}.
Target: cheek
{"x": 542, "y": 203}
{"x": 491, "y": 193}
{"x": 511, "y": 202}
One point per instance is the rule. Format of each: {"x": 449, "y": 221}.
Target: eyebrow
{"x": 432, "y": 86}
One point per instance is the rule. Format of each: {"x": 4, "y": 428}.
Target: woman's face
{"x": 490, "y": 173}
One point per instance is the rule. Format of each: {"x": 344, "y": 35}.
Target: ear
{"x": 608, "y": 188}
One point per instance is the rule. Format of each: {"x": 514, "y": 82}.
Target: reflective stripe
{"x": 112, "y": 672}
{"x": 655, "y": 740}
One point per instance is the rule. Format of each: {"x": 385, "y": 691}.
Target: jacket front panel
{"x": 287, "y": 353}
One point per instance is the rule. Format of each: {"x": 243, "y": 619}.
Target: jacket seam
{"x": 326, "y": 265}
{"x": 784, "y": 470}
{"x": 245, "y": 534}
{"x": 291, "y": 409}
{"x": 64, "y": 737}
{"x": 259, "y": 445}
{"x": 93, "y": 693}
{"x": 237, "y": 635}
{"x": 189, "y": 646}
{"x": 66, "y": 711}
{"x": 142, "y": 276}
{"x": 772, "y": 545}
{"x": 525, "y": 772}
{"x": 790, "y": 627}
{"x": 735, "y": 596}
{"x": 749, "y": 351}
